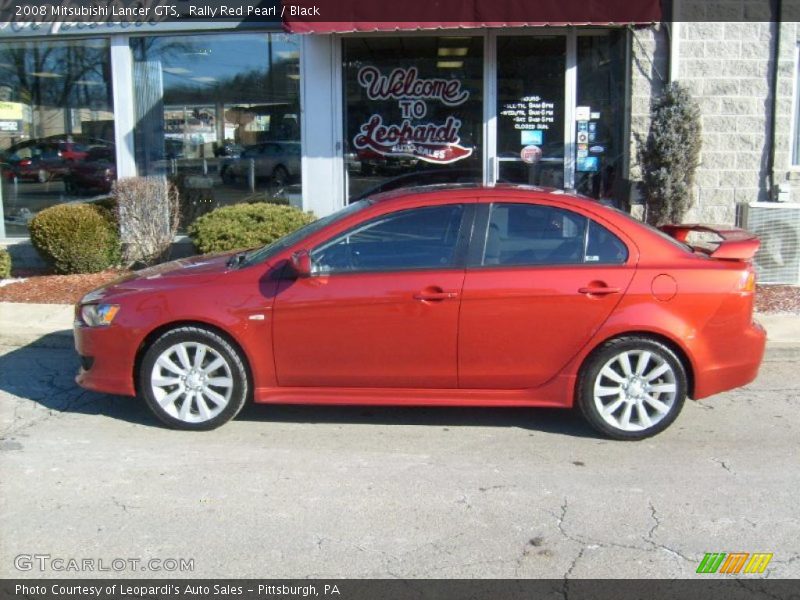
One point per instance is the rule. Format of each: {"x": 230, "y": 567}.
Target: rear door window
{"x": 532, "y": 234}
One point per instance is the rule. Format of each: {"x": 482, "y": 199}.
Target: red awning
{"x": 341, "y": 16}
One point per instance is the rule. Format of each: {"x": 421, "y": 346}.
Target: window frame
{"x": 462, "y": 244}
{"x": 481, "y": 232}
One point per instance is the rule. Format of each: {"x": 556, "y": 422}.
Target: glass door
{"x": 600, "y": 115}
{"x": 531, "y": 109}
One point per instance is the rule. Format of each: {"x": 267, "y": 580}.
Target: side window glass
{"x": 603, "y": 247}
{"x": 530, "y": 234}
{"x": 420, "y": 238}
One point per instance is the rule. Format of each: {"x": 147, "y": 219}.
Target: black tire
{"x": 660, "y": 408}
{"x": 280, "y": 176}
{"x": 234, "y": 369}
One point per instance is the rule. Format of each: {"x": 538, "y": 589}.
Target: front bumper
{"x": 110, "y": 354}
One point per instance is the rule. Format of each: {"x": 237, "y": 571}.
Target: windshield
{"x": 270, "y": 250}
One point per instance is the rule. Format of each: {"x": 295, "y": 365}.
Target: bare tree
{"x": 148, "y": 213}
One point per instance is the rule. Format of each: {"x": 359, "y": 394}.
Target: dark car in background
{"x": 429, "y": 177}
{"x": 46, "y": 159}
{"x": 97, "y": 172}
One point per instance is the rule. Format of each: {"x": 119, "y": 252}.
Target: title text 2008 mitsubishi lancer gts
{"x": 472, "y": 296}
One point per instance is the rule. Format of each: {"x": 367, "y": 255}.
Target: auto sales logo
{"x": 429, "y": 141}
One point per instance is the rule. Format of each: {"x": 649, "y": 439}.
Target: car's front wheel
{"x": 632, "y": 388}
{"x": 193, "y": 378}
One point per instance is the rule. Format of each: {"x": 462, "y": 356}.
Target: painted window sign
{"x": 430, "y": 141}
{"x": 531, "y": 112}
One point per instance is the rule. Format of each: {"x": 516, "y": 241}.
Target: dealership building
{"x": 321, "y": 112}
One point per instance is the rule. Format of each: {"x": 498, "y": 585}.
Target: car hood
{"x": 182, "y": 272}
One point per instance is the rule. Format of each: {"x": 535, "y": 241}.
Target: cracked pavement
{"x": 298, "y": 491}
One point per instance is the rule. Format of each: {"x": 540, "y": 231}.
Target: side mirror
{"x": 301, "y": 263}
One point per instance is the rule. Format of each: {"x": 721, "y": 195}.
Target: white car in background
{"x": 277, "y": 161}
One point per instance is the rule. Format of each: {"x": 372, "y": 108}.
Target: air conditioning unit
{"x": 777, "y": 224}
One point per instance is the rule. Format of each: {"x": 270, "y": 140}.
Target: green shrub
{"x": 670, "y": 155}
{"x": 245, "y": 226}
{"x": 5, "y": 264}
{"x": 76, "y": 238}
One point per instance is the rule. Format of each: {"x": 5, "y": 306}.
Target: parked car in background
{"x": 228, "y": 148}
{"x": 96, "y": 173}
{"x": 432, "y": 176}
{"x": 46, "y": 159}
{"x": 471, "y": 296}
{"x": 277, "y": 161}
{"x": 372, "y": 163}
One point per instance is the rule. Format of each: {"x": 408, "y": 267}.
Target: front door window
{"x": 423, "y": 238}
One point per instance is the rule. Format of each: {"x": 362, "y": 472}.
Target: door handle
{"x": 434, "y": 296}
{"x": 598, "y": 291}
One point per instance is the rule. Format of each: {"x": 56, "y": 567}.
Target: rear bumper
{"x": 109, "y": 353}
{"x": 738, "y": 367}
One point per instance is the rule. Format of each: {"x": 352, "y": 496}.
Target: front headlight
{"x": 98, "y": 315}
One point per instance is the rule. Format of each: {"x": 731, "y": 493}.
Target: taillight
{"x": 748, "y": 281}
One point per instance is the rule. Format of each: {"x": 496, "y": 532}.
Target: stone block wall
{"x": 728, "y": 67}
{"x": 786, "y": 122}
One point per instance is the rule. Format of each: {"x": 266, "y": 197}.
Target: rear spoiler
{"x": 734, "y": 244}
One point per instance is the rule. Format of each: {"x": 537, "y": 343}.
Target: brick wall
{"x": 727, "y": 66}
{"x": 785, "y": 107}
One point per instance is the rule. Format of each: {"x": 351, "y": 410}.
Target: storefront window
{"x": 530, "y": 109}
{"x": 219, "y": 114}
{"x": 413, "y": 112}
{"x": 56, "y": 126}
{"x": 600, "y": 115}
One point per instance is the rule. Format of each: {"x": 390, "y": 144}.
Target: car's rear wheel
{"x": 192, "y": 378}
{"x": 632, "y": 388}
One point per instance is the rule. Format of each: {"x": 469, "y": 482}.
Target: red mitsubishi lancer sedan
{"x": 470, "y": 296}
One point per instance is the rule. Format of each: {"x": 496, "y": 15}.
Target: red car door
{"x": 540, "y": 284}
{"x": 381, "y": 306}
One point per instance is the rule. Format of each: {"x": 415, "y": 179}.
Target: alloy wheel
{"x": 192, "y": 382}
{"x": 635, "y": 390}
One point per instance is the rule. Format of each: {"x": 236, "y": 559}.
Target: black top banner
{"x": 140, "y": 11}
{"x": 406, "y": 14}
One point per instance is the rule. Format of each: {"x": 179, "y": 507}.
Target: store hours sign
{"x": 414, "y": 136}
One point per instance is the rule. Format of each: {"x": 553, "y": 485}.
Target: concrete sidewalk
{"x": 22, "y": 324}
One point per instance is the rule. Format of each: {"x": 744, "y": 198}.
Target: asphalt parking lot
{"x": 387, "y": 492}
